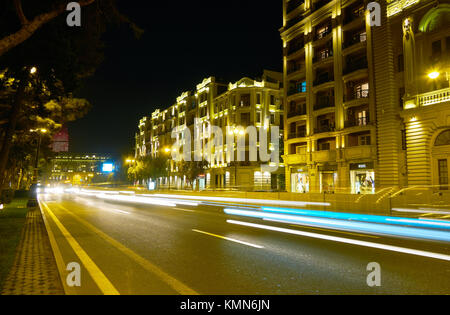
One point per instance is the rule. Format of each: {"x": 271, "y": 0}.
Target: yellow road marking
{"x": 172, "y": 282}
{"x": 97, "y": 275}
{"x": 336, "y": 231}
{"x": 56, "y": 252}
{"x": 228, "y": 239}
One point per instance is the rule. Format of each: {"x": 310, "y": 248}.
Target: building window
{"x": 443, "y": 139}
{"x": 362, "y": 90}
{"x": 245, "y": 100}
{"x": 436, "y": 50}
{"x": 272, "y": 99}
{"x": 400, "y": 63}
{"x": 258, "y": 98}
{"x": 258, "y": 117}
{"x": 443, "y": 174}
{"x": 364, "y": 140}
{"x": 363, "y": 118}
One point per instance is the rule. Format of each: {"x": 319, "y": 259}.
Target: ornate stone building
{"x": 366, "y": 105}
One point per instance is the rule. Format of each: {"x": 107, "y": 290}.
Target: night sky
{"x": 184, "y": 42}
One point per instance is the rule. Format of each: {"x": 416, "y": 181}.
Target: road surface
{"x": 126, "y": 248}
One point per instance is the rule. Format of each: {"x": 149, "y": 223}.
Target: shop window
{"x": 300, "y": 182}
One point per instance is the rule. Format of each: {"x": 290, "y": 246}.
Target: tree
{"x": 148, "y": 168}
{"x": 61, "y": 57}
{"x": 192, "y": 170}
{"x": 24, "y": 27}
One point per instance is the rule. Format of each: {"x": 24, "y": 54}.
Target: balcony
{"x": 298, "y": 134}
{"x": 323, "y": 79}
{"x": 355, "y": 65}
{"x": 324, "y": 102}
{"x": 323, "y": 55}
{"x": 356, "y": 39}
{"x": 293, "y": 21}
{"x": 294, "y": 47}
{"x": 324, "y": 128}
{"x": 295, "y": 68}
{"x": 360, "y": 152}
{"x": 324, "y": 156}
{"x": 295, "y": 113}
{"x": 356, "y": 95}
{"x": 317, "y": 5}
{"x": 296, "y": 90}
{"x": 435, "y": 97}
{"x": 354, "y": 14}
{"x": 323, "y": 33}
{"x": 292, "y": 5}
{"x": 357, "y": 122}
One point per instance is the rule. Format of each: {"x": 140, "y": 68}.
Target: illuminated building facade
{"x": 238, "y": 105}
{"x": 80, "y": 169}
{"x": 355, "y": 95}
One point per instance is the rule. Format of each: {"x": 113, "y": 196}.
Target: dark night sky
{"x": 184, "y": 42}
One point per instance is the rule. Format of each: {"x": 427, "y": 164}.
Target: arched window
{"x": 443, "y": 138}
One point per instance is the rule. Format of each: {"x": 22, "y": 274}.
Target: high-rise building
{"x": 356, "y": 93}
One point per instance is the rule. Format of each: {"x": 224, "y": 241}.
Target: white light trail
{"x": 345, "y": 240}
{"x": 247, "y": 201}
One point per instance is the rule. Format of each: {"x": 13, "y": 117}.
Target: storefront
{"x": 362, "y": 178}
{"x": 328, "y": 178}
{"x": 300, "y": 180}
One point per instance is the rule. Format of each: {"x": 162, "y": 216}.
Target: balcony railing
{"x": 293, "y": 21}
{"x": 320, "y": 3}
{"x": 364, "y": 121}
{"x": 359, "y": 38}
{"x": 322, "y": 56}
{"x": 294, "y": 47}
{"x": 435, "y": 97}
{"x": 323, "y": 79}
{"x": 356, "y": 14}
{"x": 292, "y": 5}
{"x": 296, "y": 91}
{"x": 354, "y": 65}
{"x": 355, "y": 95}
{"x": 298, "y": 134}
{"x": 297, "y": 113}
{"x": 324, "y": 128}
{"x": 295, "y": 68}
{"x": 324, "y": 103}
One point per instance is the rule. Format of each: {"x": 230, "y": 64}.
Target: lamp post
{"x": 40, "y": 132}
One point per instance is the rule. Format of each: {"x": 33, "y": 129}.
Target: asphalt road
{"x": 123, "y": 248}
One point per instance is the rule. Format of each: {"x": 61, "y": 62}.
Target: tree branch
{"x": 29, "y": 28}
{"x": 18, "y": 5}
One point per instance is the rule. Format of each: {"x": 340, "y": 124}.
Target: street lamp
{"x": 434, "y": 75}
{"x": 40, "y": 132}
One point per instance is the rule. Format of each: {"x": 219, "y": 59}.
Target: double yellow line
{"x": 97, "y": 275}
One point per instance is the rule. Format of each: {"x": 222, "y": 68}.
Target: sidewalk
{"x": 34, "y": 271}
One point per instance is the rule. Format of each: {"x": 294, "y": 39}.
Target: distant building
{"x": 248, "y": 102}
{"x": 60, "y": 141}
{"x": 80, "y": 169}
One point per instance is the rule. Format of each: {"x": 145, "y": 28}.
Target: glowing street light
{"x": 433, "y": 75}
{"x": 33, "y": 70}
